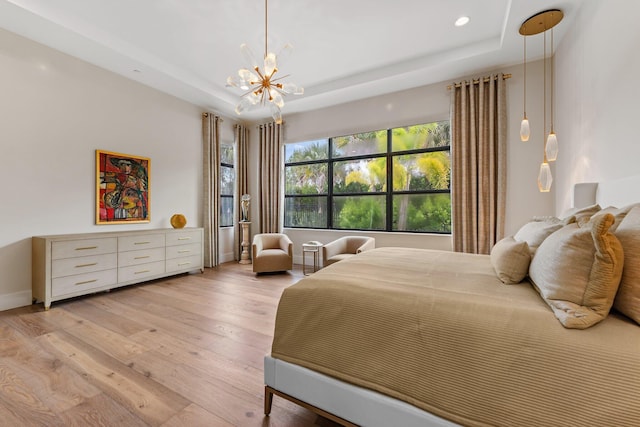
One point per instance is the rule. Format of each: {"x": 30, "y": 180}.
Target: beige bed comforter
{"x": 440, "y": 331}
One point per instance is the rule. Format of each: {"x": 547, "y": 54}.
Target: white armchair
{"x": 272, "y": 252}
{"x": 346, "y": 247}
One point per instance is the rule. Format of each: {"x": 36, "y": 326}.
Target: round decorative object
{"x": 178, "y": 221}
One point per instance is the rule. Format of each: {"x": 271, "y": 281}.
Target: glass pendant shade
{"x": 243, "y": 105}
{"x": 276, "y": 114}
{"x": 277, "y": 99}
{"x": 270, "y": 64}
{"x": 525, "y": 130}
{"x": 232, "y": 81}
{"x": 551, "y": 148}
{"x": 250, "y": 59}
{"x": 544, "y": 178}
{"x": 292, "y": 88}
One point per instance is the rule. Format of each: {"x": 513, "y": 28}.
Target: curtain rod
{"x": 476, "y": 81}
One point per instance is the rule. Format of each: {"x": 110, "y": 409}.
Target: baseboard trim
{"x": 227, "y": 257}
{"x": 15, "y": 300}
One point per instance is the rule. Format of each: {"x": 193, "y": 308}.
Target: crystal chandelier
{"x": 261, "y": 86}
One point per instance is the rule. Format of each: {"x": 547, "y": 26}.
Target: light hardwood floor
{"x": 183, "y": 351}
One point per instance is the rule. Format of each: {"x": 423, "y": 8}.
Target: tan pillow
{"x": 510, "y": 260}
{"x": 577, "y": 271}
{"x": 580, "y": 212}
{"x": 534, "y": 232}
{"x": 628, "y": 298}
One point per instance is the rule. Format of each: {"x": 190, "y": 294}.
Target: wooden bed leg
{"x": 268, "y": 399}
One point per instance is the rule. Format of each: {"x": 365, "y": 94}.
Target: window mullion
{"x": 330, "y": 185}
{"x": 389, "y": 198}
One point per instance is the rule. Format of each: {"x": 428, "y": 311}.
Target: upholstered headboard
{"x": 619, "y": 192}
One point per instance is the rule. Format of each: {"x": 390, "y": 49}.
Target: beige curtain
{"x": 269, "y": 171}
{"x": 211, "y": 186}
{"x": 242, "y": 180}
{"x": 478, "y": 151}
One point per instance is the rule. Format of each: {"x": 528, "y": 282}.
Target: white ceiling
{"x": 344, "y": 49}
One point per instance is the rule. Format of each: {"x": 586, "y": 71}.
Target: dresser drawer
{"x": 184, "y": 264}
{"x": 184, "y": 237}
{"x": 147, "y": 241}
{"x": 144, "y": 256}
{"x": 140, "y": 272}
{"x": 83, "y": 264}
{"x": 84, "y": 247}
{"x": 81, "y": 283}
{"x": 182, "y": 251}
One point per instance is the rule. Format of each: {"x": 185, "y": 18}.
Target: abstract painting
{"x": 122, "y": 188}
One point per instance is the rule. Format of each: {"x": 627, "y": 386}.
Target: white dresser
{"x": 70, "y": 265}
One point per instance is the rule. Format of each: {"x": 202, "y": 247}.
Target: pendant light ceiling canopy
{"x": 541, "y": 22}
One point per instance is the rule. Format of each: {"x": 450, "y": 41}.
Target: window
{"x": 388, "y": 180}
{"x": 227, "y": 182}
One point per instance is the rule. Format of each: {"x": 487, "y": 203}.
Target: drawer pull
{"x": 183, "y": 263}
{"x": 86, "y": 248}
{"x": 86, "y": 281}
{"x": 184, "y": 251}
{"x": 142, "y": 271}
{"x": 141, "y": 243}
{"x": 86, "y": 265}
{"x": 184, "y": 238}
{"x": 142, "y": 257}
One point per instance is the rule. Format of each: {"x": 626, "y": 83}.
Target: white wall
{"x": 55, "y": 111}
{"x": 597, "y": 69}
{"x": 422, "y": 105}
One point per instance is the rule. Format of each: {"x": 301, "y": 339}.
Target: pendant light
{"x": 551, "y": 148}
{"x": 544, "y": 176}
{"x": 525, "y": 130}
{"x": 536, "y": 24}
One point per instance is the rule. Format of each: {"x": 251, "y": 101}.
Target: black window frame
{"x": 227, "y": 196}
{"x": 389, "y": 193}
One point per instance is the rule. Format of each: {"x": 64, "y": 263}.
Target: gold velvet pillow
{"x": 511, "y": 260}
{"x": 577, "y": 271}
{"x": 628, "y": 298}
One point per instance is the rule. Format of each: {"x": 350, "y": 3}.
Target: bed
{"x": 410, "y": 337}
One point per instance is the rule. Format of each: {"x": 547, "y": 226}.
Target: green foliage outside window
{"x": 350, "y": 173}
{"x": 359, "y": 213}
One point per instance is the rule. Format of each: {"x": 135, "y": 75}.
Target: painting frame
{"x": 123, "y": 190}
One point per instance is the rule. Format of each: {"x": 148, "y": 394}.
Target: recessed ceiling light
{"x": 463, "y": 20}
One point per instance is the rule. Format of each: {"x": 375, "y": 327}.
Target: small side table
{"x": 312, "y": 248}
